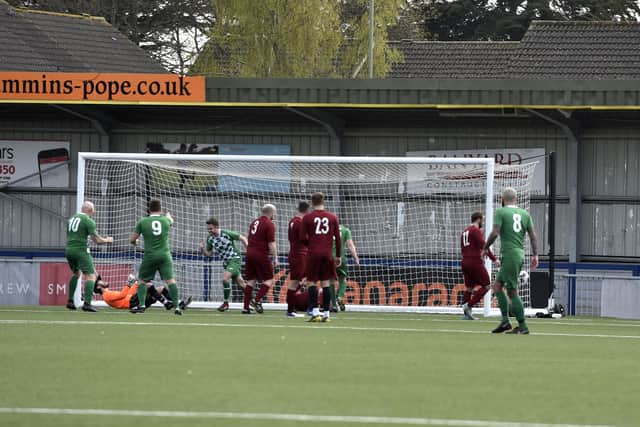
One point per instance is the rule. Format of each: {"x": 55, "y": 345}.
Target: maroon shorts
{"x": 258, "y": 267}
{"x": 297, "y": 266}
{"x": 320, "y": 267}
{"x": 475, "y": 274}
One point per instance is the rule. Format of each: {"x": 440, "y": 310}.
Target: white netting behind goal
{"x": 405, "y": 217}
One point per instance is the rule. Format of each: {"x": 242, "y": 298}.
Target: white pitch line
{"x": 285, "y": 326}
{"x": 287, "y": 417}
{"x": 396, "y": 317}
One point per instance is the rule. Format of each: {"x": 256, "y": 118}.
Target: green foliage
{"x": 357, "y": 35}
{"x": 509, "y": 19}
{"x": 272, "y": 38}
{"x": 296, "y": 38}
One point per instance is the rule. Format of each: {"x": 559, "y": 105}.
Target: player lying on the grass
{"x": 476, "y": 276}
{"x": 300, "y": 300}
{"x": 343, "y": 271}
{"x": 79, "y": 227}
{"x": 127, "y": 297}
{"x": 511, "y": 223}
{"x": 223, "y": 242}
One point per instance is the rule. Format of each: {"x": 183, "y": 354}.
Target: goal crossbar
{"x": 486, "y": 164}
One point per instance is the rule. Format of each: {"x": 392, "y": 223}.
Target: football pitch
{"x": 62, "y": 368}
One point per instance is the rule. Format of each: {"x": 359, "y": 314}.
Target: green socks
{"x": 73, "y": 284}
{"x": 503, "y": 303}
{"x": 332, "y": 292}
{"x": 88, "y": 290}
{"x": 173, "y": 291}
{"x": 518, "y": 311}
{"x": 342, "y": 289}
{"x": 142, "y": 294}
{"x": 226, "y": 289}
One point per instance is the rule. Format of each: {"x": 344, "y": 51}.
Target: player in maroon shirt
{"x": 476, "y": 277}
{"x": 258, "y": 266}
{"x": 318, "y": 231}
{"x": 297, "y": 257}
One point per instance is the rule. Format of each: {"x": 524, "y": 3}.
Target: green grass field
{"x": 207, "y": 368}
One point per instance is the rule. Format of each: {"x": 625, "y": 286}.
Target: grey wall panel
{"x": 539, "y": 213}
{"x": 611, "y": 159}
{"x": 610, "y": 230}
{"x": 303, "y": 143}
{"x": 25, "y": 223}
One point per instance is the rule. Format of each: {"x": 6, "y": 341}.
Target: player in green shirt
{"x": 342, "y": 270}
{"x": 79, "y": 227}
{"x": 511, "y": 223}
{"x": 223, "y": 242}
{"x": 157, "y": 255}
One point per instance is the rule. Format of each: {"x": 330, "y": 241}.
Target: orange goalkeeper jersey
{"x": 120, "y": 299}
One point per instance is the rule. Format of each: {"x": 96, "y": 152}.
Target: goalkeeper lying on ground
{"x": 127, "y": 297}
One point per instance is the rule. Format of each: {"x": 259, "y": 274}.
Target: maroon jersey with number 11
{"x": 472, "y": 242}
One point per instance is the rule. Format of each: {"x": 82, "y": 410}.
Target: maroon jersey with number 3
{"x": 258, "y": 265}
{"x": 261, "y": 233}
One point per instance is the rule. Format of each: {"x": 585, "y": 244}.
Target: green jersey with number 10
{"x": 79, "y": 227}
{"x": 155, "y": 230}
{"x": 514, "y": 223}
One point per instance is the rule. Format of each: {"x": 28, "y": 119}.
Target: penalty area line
{"x": 348, "y": 419}
{"x": 290, "y": 326}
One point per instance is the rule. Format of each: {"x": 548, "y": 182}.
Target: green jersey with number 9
{"x": 514, "y": 223}
{"x": 155, "y": 230}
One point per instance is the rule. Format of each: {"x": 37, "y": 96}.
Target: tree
{"x": 172, "y": 32}
{"x": 409, "y": 25}
{"x": 509, "y": 19}
{"x": 296, "y": 38}
{"x": 356, "y": 28}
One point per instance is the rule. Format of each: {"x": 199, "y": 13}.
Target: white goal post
{"x": 405, "y": 213}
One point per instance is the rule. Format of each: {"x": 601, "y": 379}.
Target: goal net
{"x": 405, "y": 214}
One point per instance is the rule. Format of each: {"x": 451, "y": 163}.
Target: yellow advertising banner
{"x": 103, "y": 87}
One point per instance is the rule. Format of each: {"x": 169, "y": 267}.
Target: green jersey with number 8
{"x": 514, "y": 223}
{"x": 155, "y": 230}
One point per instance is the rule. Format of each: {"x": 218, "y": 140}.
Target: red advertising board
{"x": 54, "y": 280}
{"x": 54, "y": 283}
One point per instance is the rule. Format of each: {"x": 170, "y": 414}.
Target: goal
{"x": 406, "y": 215}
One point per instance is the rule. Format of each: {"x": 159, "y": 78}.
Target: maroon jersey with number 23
{"x": 319, "y": 230}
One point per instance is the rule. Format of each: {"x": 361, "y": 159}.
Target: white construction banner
{"x": 502, "y": 156}
{"x": 34, "y": 163}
